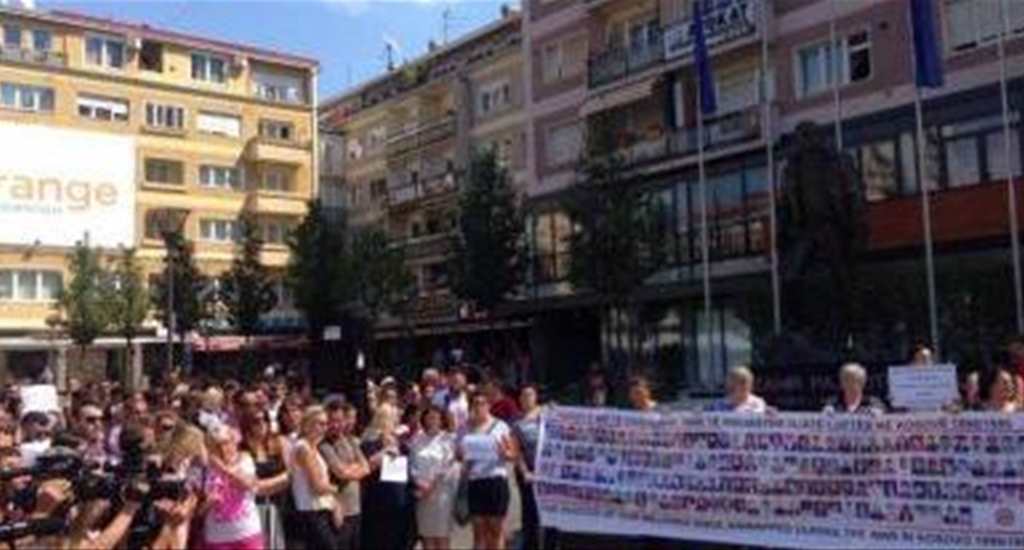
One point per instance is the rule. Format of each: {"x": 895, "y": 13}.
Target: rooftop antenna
{"x": 391, "y": 49}
{"x": 446, "y": 16}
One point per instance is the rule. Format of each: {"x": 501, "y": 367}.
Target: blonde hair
{"x": 309, "y": 415}
{"x": 185, "y": 444}
{"x": 384, "y": 421}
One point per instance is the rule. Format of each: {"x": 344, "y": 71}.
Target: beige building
{"x": 400, "y": 144}
{"x": 119, "y": 126}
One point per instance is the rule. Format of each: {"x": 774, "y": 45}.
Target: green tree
{"x": 189, "y": 285}
{"x": 126, "y": 299}
{"x": 247, "y": 289}
{"x": 81, "y": 302}
{"x": 488, "y": 262}
{"x": 318, "y": 273}
{"x": 382, "y": 280}
{"x": 823, "y": 234}
{"x": 618, "y": 242}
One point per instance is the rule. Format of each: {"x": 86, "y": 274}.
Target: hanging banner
{"x": 795, "y": 480}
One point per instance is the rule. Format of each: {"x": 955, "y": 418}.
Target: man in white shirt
{"x": 457, "y": 402}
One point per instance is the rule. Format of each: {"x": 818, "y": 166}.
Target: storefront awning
{"x": 218, "y": 344}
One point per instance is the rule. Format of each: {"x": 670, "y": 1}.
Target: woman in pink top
{"x": 232, "y": 521}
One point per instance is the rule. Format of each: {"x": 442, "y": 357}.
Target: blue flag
{"x": 708, "y": 102}
{"x": 927, "y": 58}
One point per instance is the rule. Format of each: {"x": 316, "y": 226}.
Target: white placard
{"x": 923, "y": 388}
{"x": 58, "y": 184}
{"x": 332, "y": 333}
{"x": 39, "y": 397}
{"x": 480, "y": 447}
{"x": 394, "y": 469}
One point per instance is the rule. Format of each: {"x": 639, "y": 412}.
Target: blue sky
{"x": 347, "y": 36}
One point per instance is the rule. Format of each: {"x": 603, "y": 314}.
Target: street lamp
{"x": 170, "y": 221}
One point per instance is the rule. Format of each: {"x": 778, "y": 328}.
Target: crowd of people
{"x": 221, "y": 464}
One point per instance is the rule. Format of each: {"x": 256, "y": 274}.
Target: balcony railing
{"x": 54, "y": 59}
{"x": 402, "y": 191}
{"x": 721, "y": 131}
{"x": 414, "y": 137}
{"x": 439, "y": 244}
{"x": 724, "y": 21}
{"x": 617, "y": 63}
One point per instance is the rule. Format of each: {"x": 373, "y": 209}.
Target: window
{"x": 277, "y": 130}
{"x": 209, "y": 68}
{"x": 972, "y": 23}
{"x": 551, "y": 231}
{"x": 277, "y": 87}
{"x": 41, "y": 40}
{"x": 276, "y": 178}
{"x": 816, "y": 65}
{"x": 12, "y": 36}
{"x": 26, "y": 98}
{"x": 102, "y": 108}
{"x": 275, "y": 232}
{"x": 30, "y": 285}
{"x": 151, "y": 56}
{"x": 165, "y": 116}
{"x": 493, "y": 97}
{"x": 104, "y": 51}
{"x": 879, "y": 170}
{"x": 376, "y": 138}
{"x": 737, "y": 91}
{"x": 564, "y": 144}
{"x": 165, "y": 171}
{"x": 564, "y": 59}
{"x": 219, "y": 231}
{"x": 219, "y": 124}
{"x": 220, "y": 177}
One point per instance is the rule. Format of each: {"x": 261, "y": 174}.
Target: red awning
{"x": 237, "y": 343}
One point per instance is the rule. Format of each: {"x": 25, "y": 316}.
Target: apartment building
{"x": 402, "y": 143}
{"x": 114, "y": 131}
{"x": 639, "y": 73}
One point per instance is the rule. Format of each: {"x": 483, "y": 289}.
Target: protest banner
{"x": 923, "y": 388}
{"x": 39, "y": 398}
{"x": 795, "y": 480}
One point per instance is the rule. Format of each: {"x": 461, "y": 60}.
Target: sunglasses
{"x": 92, "y": 419}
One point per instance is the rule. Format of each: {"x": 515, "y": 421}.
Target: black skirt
{"x": 488, "y": 497}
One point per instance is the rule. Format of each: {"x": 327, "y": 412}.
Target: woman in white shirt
{"x": 232, "y": 520}
{"x": 312, "y": 491}
{"x": 435, "y": 478}
{"x": 487, "y": 449}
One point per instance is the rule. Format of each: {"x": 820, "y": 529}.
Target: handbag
{"x": 461, "y": 508}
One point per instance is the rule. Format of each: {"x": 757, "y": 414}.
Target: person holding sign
{"x": 387, "y": 506}
{"x": 487, "y": 449}
{"x": 998, "y": 390}
{"x": 435, "y": 476}
{"x": 851, "y": 398}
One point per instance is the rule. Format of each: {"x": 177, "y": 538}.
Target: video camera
{"x": 16, "y": 530}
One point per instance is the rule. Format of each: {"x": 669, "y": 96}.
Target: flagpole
{"x": 926, "y": 216}
{"x": 837, "y": 72}
{"x": 704, "y": 246}
{"x": 769, "y": 153}
{"x": 1011, "y": 188}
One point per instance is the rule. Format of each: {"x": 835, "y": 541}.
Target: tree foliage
{"x": 618, "y": 239}
{"x": 247, "y": 289}
{"x": 189, "y": 285}
{"x": 823, "y": 233}
{"x": 318, "y": 273}
{"x": 81, "y": 302}
{"x": 489, "y": 247}
{"x": 382, "y": 280}
{"x": 126, "y": 298}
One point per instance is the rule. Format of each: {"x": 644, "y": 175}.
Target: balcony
{"x": 409, "y": 138}
{"x": 402, "y": 191}
{"x": 276, "y": 202}
{"x": 427, "y": 246}
{"x": 726, "y": 21}
{"x": 720, "y": 131}
{"x": 37, "y": 57}
{"x": 612, "y": 65}
{"x": 265, "y": 149}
